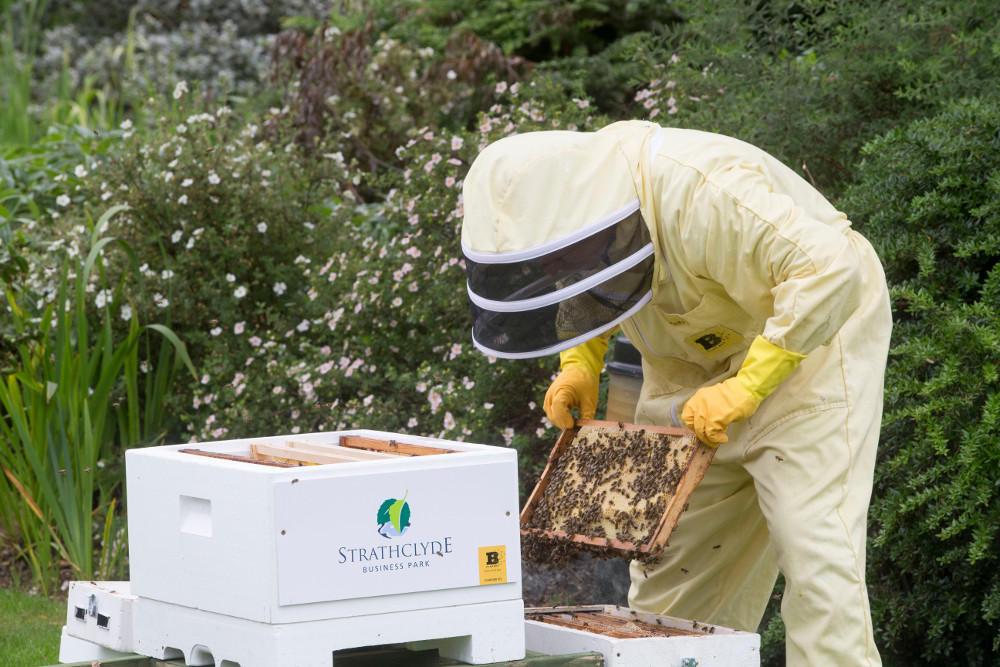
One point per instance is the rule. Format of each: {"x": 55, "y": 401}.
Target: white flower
{"x": 449, "y": 421}
{"x": 103, "y": 297}
{"x": 279, "y": 288}
{"x": 126, "y": 312}
{"x": 240, "y": 292}
{"x": 303, "y": 325}
{"x": 183, "y": 199}
{"x": 182, "y": 128}
{"x": 166, "y": 274}
{"x": 238, "y": 327}
{"x": 63, "y": 200}
{"x": 413, "y": 422}
{"x": 215, "y": 331}
{"x": 180, "y": 89}
{"x": 126, "y": 124}
{"x": 213, "y": 178}
{"x": 80, "y": 171}
{"x": 160, "y": 300}
{"x": 255, "y": 341}
{"x": 230, "y": 278}
{"x": 186, "y": 182}
{"x": 262, "y": 227}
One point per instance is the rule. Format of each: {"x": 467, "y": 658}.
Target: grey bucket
{"x": 624, "y": 380}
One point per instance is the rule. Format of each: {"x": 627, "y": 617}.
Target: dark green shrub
{"x": 928, "y": 196}
{"x": 812, "y": 81}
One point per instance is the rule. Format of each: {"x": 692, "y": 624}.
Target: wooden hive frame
{"x": 617, "y": 622}
{"x": 692, "y": 469}
{"x": 350, "y": 448}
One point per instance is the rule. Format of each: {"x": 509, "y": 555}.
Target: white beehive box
{"x": 242, "y": 541}
{"x": 629, "y": 638}
{"x": 98, "y": 612}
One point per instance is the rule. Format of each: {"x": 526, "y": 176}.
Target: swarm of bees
{"x": 605, "y": 495}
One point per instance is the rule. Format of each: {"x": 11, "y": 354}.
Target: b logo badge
{"x": 493, "y": 565}
{"x": 715, "y": 340}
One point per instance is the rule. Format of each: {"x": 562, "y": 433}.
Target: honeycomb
{"x": 609, "y": 490}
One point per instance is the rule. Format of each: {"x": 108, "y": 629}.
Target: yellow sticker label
{"x": 715, "y": 340}
{"x": 493, "y": 565}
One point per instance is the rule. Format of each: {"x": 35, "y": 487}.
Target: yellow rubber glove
{"x": 577, "y": 385}
{"x": 712, "y": 409}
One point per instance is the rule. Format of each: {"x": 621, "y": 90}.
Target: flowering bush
{"x": 381, "y": 336}
{"x": 221, "y": 222}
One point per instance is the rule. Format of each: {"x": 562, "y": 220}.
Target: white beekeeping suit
{"x": 763, "y": 321}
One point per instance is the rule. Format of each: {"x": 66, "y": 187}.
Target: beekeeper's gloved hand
{"x": 577, "y": 385}
{"x": 712, "y": 409}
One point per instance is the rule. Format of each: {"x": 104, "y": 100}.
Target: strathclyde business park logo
{"x": 393, "y": 517}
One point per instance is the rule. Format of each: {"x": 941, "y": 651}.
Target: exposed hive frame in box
{"x": 350, "y": 448}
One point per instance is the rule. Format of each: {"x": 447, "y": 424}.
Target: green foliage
{"x": 29, "y": 628}
{"x": 20, "y": 33}
{"x": 369, "y": 91}
{"x": 585, "y": 45}
{"x": 928, "y": 196}
{"x": 32, "y": 177}
{"x": 811, "y": 81}
{"x": 68, "y": 399}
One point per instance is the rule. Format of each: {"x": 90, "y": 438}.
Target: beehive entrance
{"x": 612, "y": 490}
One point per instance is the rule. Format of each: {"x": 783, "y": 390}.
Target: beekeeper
{"x": 763, "y": 321}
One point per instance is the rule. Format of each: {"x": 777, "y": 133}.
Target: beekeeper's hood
{"x": 555, "y": 248}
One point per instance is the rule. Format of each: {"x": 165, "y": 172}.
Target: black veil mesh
{"x": 545, "y": 274}
{"x": 549, "y": 329}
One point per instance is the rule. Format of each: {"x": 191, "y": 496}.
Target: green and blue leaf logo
{"x": 393, "y": 517}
